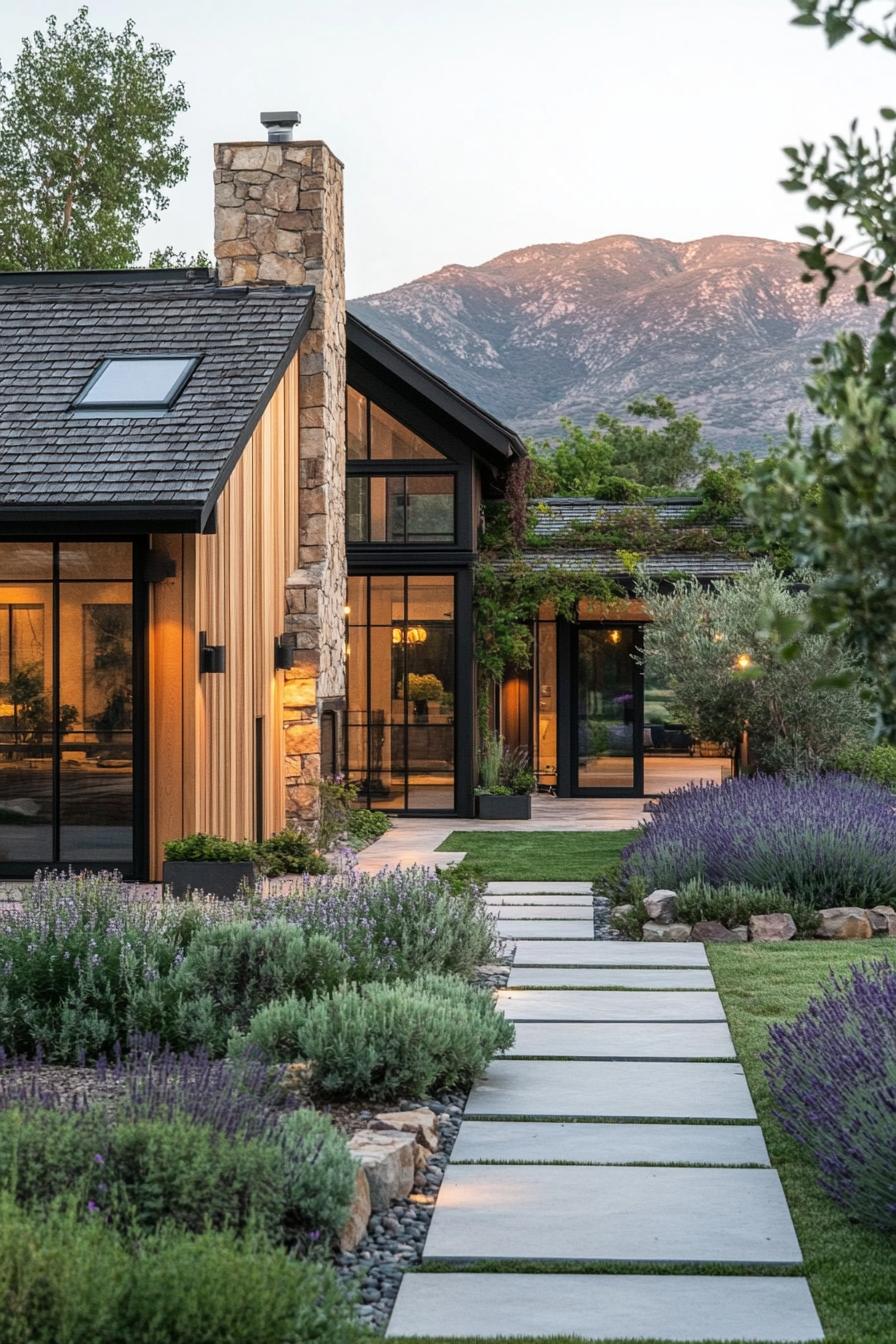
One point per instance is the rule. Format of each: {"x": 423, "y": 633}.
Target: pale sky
{"x": 471, "y": 127}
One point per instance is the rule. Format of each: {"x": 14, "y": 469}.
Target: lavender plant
{"x": 394, "y": 924}
{"x": 832, "y": 1076}
{"x": 824, "y": 840}
{"x": 79, "y": 957}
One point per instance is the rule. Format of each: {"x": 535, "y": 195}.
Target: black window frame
{"x": 403, "y": 470}
{"x": 83, "y": 406}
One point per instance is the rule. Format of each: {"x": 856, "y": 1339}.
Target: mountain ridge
{"x": 722, "y": 325}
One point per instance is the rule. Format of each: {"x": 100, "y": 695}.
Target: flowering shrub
{"x": 384, "y": 1042}
{"x": 79, "y": 957}
{"x": 825, "y": 840}
{"x": 67, "y": 1276}
{"x": 394, "y": 924}
{"x": 832, "y": 1075}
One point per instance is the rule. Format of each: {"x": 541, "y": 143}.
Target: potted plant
{"x": 209, "y": 863}
{"x": 422, "y": 688}
{"x": 506, "y": 782}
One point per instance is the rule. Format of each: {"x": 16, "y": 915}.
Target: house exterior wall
{"x": 205, "y": 774}
{"x": 279, "y": 220}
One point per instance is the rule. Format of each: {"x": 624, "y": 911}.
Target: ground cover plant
{"x": 831, "y": 1075}
{"x": 762, "y": 984}
{"x": 733, "y": 903}
{"x": 69, "y": 1277}
{"x": 540, "y": 856}
{"x": 825, "y": 840}
{"x": 381, "y": 1041}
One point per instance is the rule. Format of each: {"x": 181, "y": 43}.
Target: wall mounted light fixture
{"x": 212, "y": 657}
{"x": 284, "y": 654}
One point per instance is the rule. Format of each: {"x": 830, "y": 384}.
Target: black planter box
{"x": 215, "y": 879}
{"x": 504, "y": 806}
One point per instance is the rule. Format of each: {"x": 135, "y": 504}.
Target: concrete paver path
{"x": 614, "y": 1132}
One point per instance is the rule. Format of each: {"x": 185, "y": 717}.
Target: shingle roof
{"x": 556, "y": 514}
{"x": 700, "y": 565}
{"x": 54, "y": 331}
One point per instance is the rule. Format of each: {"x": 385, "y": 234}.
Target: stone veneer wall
{"x": 279, "y": 220}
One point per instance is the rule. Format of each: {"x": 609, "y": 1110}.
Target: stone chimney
{"x": 279, "y": 221}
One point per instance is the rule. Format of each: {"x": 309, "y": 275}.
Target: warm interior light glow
{"x": 615, "y": 636}
{"x": 743, "y": 661}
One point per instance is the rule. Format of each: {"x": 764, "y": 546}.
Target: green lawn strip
{"x": 541, "y": 856}
{"x": 851, "y": 1269}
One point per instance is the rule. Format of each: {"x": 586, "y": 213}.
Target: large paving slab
{"x": 539, "y": 888}
{"x": 609, "y": 1145}
{"x": 609, "y": 1005}
{"x": 546, "y": 928}
{"x": 606, "y": 1307}
{"x": 607, "y": 977}
{"x": 542, "y": 912}
{"x": 623, "y": 1040}
{"x": 667, "y": 1215}
{"x": 578, "y": 901}
{"x": 609, "y": 952}
{"x": 540, "y": 1089}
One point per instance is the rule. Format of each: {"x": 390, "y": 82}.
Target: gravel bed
{"x": 603, "y": 928}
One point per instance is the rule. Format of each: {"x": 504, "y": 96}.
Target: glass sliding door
{"x": 67, "y": 721}
{"x": 401, "y": 684}
{"x": 607, "y": 710}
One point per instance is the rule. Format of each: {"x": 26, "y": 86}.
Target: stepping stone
{"x": 622, "y": 1040}
{"x": 610, "y": 1005}
{"x": 544, "y": 928}
{"x": 609, "y": 952}
{"x": 608, "y": 1145}
{"x": 540, "y": 1089}
{"x": 543, "y": 898}
{"x": 605, "y": 1307}
{"x": 606, "y": 977}
{"x": 666, "y": 1215}
{"x": 543, "y": 912}
{"x": 539, "y": 888}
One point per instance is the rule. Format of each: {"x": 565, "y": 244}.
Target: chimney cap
{"x": 279, "y": 125}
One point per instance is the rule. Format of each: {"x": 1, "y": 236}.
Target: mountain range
{"x": 723, "y": 326}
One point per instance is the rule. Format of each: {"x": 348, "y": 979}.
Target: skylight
{"x": 136, "y": 383}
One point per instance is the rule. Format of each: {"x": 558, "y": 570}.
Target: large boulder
{"x": 388, "y": 1160}
{"x": 661, "y": 906}
{"x": 776, "y": 928}
{"x": 844, "y": 921}
{"x": 420, "y": 1122}
{"x": 358, "y": 1215}
{"x": 653, "y": 932}
{"x": 711, "y": 931}
{"x": 882, "y": 919}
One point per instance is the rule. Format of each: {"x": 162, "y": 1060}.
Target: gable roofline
{"x": 497, "y": 439}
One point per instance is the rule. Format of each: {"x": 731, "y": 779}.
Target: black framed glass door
{"x": 607, "y": 704}
{"x": 69, "y": 706}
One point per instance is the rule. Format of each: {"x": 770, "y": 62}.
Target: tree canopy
{"x": 621, "y": 459}
{"x": 87, "y": 146}
{"x": 831, "y": 495}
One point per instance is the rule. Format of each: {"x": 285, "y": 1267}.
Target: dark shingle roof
{"x": 703, "y": 566}
{"x": 556, "y": 514}
{"x": 54, "y": 331}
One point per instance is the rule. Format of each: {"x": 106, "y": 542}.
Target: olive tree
{"x": 715, "y": 647}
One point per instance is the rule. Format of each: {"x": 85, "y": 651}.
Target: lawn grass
{"x": 541, "y": 856}
{"x": 851, "y": 1269}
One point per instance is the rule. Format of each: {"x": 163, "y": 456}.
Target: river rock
{"x": 777, "y": 928}
{"x": 843, "y": 921}
{"x": 661, "y": 906}
{"x": 654, "y": 932}
{"x": 388, "y": 1160}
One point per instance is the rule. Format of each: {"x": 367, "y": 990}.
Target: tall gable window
{"x": 400, "y": 491}
{"x": 125, "y": 384}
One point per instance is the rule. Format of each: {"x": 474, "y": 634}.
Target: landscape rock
{"x": 776, "y": 928}
{"x": 654, "y": 932}
{"x": 621, "y": 911}
{"x": 420, "y": 1122}
{"x": 741, "y": 933}
{"x": 711, "y": 931}
{"x": 388, "y": 1159}
{"x": 661, "y": 906}
{"x": 844, "y": 921}
{"x": 359, "y": 1214}
{"x": 882, "y": 919}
